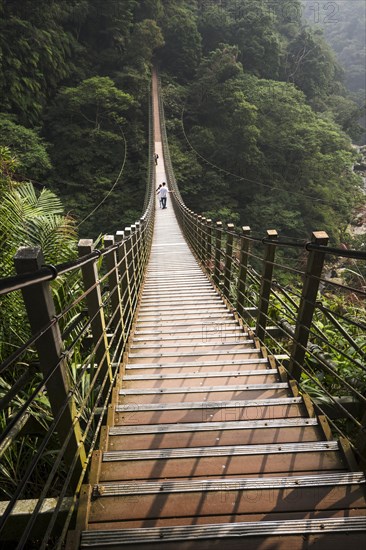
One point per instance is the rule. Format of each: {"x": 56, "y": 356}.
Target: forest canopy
{"x": 260, "y": 120}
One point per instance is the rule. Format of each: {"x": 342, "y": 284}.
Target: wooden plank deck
{"x": 207, "y": 447}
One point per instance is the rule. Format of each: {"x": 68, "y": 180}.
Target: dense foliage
{"x": 263, "y": 126}
{"x": 77, "y": 73}
{"x": 261, "y": 91}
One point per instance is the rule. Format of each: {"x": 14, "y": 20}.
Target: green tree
{"x": 253, "y": 31}
{"x": 182, "y": 51}
{"x": 146, "y": 38}
{"x": 32, "y": 158}
{"x": 36, "y": 55}
{"x": 311, "y": 65}
{"x": 86, "y": 129}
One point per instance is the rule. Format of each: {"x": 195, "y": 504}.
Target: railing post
{"x": 266, "y": 284}
{"x": 94, "y": 304}
{"x": 120, "y": 237}
{"x": 208, "y": 252}
{"x": 203, "y": 241}
{"x": 114, "y": 289}
{"x": 135, "y": 260}
{"x": 127, "y": 276}
{"x": 217, "y": 270}
{"x": 228, "y": 259}
{"x": 307, "y": 304}
{"x": 41, "y": 311}
{"x": 139, "y": 255}
{"x": 243, "y": 269}
{"x": 196, "y": 234}
{"x": 133, "y": 273}
{"x": 199, "y": 236}
{"x": 189, "y": 227}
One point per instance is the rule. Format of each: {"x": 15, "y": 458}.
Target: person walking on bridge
{"x": 163, "y": 192}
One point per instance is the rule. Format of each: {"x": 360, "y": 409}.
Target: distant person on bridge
{"x": 156, "y": 156}
{"x": 163, "y": 192}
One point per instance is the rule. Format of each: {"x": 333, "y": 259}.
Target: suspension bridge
{"x": 193, "y": 431}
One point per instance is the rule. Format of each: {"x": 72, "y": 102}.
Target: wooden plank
{"x": 190, "y": 346}
{"x": 251, "y": 361}
{"x": 232, "y": 518}
{"x": 218, "y": 437}
{"x": 226, "y": 414}
{"x": 338, "y": 541}
{"x": 223, "y": 395}
{"x": 221, "y": 466}
{"x": 226, "y": 503}
{"x": 240, "y": 378}
{"x": 198, "y": 357}
{"x": 191, "y": 368}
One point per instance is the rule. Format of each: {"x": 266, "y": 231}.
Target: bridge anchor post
{"x": 41, "y": 312}
{"x": 96, "y": 313}
{"x": 228, "y": 259}
{"x": 307, "y": 304}
{"x": 243, "y": 269}
{"x": 217, "y": 267}
{"x": 266, "y": 285}
{"x": 117, "y": 320}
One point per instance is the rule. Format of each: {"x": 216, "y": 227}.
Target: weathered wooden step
{"x": 194, "y": 338}
{"x": 221, "y": 451}
{"x": 185, "y": 320}
{"x": 230, "y": 326}
{"x": 203, "y": 392}
{"x": 169, "y": 499}
{"x": 151, "y": 381}
{"x": 201, "y": 355}
{"x": 165, "y": 304}
{"x": 183, "y": 267}
{"x": 178, "y": 305}
{"x": 199, "y": 389}
{"x": 184, "y": 313}
{"x": 216, "y": 433}
{"x": 175, "y": 286}
{"x": 228, "y": 394}
{"x": 251, "y": 363}
{"x": 266, "y": 535}
{"x": 191, "y": 345}
{"x": 170, "y": 272}
{"x": 171, "y": 353}
{"x": 196, "y": 364}
{"x": 221, "y": 461}
{"x": 133, "y": 414}
{"x": 187, "y": 294}
{"x": 232, "y": 518}
{"x": 175, "y": 293}
{"x": 212, "y": 405}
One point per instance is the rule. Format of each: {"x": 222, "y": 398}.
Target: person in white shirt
{"x": 163, "y": 192}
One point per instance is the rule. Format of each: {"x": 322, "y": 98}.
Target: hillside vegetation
{"x": 259, "y": 119}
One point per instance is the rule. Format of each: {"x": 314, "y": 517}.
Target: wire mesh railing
{"x": 55, "y": 388}
{"x": 311, "y": 323}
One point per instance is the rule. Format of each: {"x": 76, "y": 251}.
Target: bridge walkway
{"x": 207, "y": 442}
